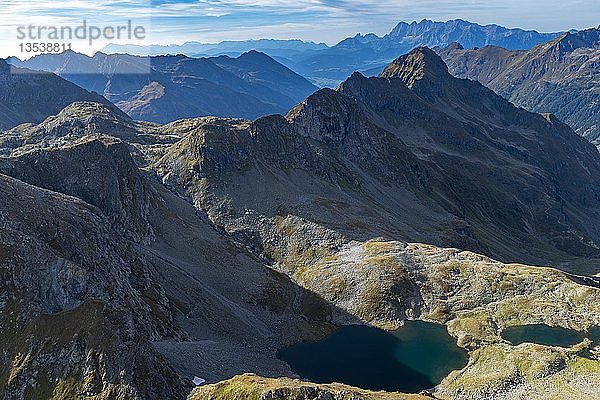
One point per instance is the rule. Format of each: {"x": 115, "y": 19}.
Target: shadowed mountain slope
{"x": 28, "y": 96}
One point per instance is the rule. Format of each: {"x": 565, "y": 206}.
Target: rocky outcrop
{"x": 253, "y": 387}
{"x": 530, "y": 371}
{"x": 74, "y": 318}
{"x": 101, "y": 173}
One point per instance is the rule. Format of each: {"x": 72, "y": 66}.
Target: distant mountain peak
{"x": 169, "y": 87}
{"x": 469, "y": 34}
{"x": 366, "y": 37}
{"x": 420, "y": 63}
{"x": 73, "y": 53}
{"x": 255, "y": 55}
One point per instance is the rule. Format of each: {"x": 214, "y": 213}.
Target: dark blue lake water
{"x": 416, "y": 357}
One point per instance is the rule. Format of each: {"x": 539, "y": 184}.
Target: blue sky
{"x": 177, "y": 21}
{"x": 332, "y": 20}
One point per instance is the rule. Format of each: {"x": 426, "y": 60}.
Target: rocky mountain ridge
{"x": 560, "y": 76}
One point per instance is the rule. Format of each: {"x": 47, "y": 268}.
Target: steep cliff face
{"x": 72, "y": 304}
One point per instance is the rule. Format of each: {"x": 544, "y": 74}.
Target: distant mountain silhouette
{"x": 167, "y": 88}
{"x": 275, "y": 48}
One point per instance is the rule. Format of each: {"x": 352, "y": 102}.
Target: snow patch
{"x": 198, "y": 381}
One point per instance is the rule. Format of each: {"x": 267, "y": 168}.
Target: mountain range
{"x": 166, "y": 88}
{"x": 275, "y": 48}
{"x": 328, "y": 66}
{"x": 135, "y": 256}
{"x": 561, "y": 76}
{"x": 370, "y": 53}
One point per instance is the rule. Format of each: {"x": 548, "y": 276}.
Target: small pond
{"x": 594, "y": 335}
{"x": 543, "y": 334}
{"x": 415, "y": 357}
